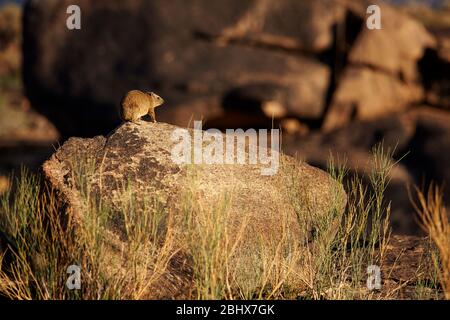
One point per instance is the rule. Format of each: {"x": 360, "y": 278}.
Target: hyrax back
{"x": 136, "y": 104}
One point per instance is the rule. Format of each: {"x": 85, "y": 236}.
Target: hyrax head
{"x": 157, "y": 100}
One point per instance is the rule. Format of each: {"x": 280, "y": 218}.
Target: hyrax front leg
{"x": 151, "y": 113}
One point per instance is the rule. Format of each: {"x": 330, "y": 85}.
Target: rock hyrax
{"x": 137, "y": 104}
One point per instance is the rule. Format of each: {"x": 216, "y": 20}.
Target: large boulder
{"x": 195, "y": 54}
{"x": 383, "y": 73}
{"x": 396, "y": 48}
{"x": 140, "y": 154}
{"x": 365, "y": 94}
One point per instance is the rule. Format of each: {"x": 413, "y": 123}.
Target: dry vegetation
{"x": 434, "y": 220}
{"x": 330, "y": 263}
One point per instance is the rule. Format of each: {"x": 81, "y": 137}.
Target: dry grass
{"x": 433, "y": 218}
{"x": 42, "y": 243}
{"x": 327, "y": 258}
{"x": 226, "y": 264}
{"x": 336, "y": 266}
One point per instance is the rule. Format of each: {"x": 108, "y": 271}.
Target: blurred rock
{"x": 26, "y": 137}
{"x": 10, "y": 40}
{"x": 443, "y": 45}
{"x": 435, "y": 70}
{"x": 396, "y": 48}
{"x": 364, "y": 94}
{"x": 293, "y": 126}
{"x": 10, "y": 25}
{"x": 382, "y": 72}
{"x": 5, "y": 184}
{"x": 194, "y": 54}
{"x": 429, "y": 159}
{"x": 272, "y": 23}
{"x": 19, "y": 123}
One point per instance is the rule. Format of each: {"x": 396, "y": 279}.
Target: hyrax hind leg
{"x": 151, "y": 113}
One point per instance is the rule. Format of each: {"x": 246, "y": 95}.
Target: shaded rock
{"x": 10, "y": 26}
{"x": 443, "y": 44}
{"x": 141, "y": 154}
{"x": 396, "y": 48}
{"x": 300, "y": 92}
{"x": 194, "y": 54}
{"x": 364, "y": 94}
{"x": 435, "y": 70}
{"x": 10, "y": 38}
{"x": 265, "y": 23}
{"x": 382, "y": 74}
{"x": 428, "y": 159}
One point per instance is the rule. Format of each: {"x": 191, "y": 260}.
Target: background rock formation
{"x": 309, "y": 67}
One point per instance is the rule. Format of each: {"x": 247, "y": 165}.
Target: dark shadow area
{"x": 344, "y": 35}
{"x": 435, "y": 74}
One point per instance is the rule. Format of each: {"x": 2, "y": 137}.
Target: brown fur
{"x": 136, "y": 104}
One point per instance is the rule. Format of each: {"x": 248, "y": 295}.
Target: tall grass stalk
{"x": 433, "y": 217}
{"x": 335, "y": 266}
